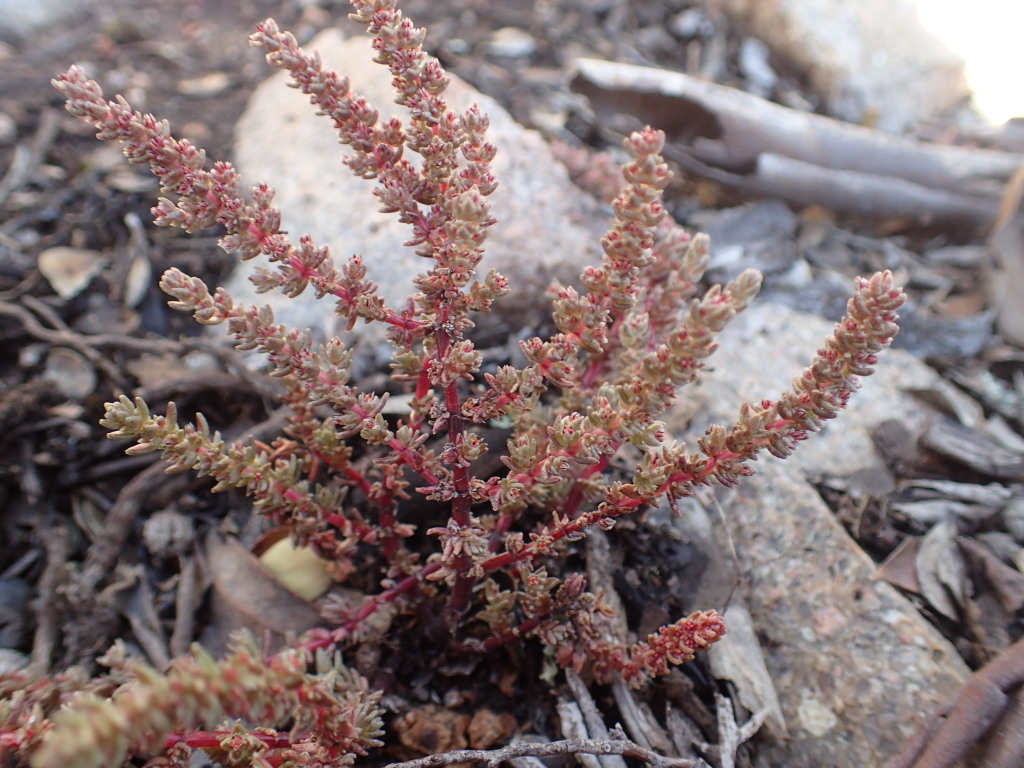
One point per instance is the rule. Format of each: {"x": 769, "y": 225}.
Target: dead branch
{"x": 990, "y": 700}
{"x": 494, "y": 757}
{"x": 30, "y": 155}
{"x": 56, "y": 541}
{"x": 746, "y": 142}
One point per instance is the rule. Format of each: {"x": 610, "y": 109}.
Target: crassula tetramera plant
{"x": 635, "y": 330}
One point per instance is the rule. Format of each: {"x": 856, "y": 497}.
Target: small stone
{"x": 511, "y": 43}
{"x": 770, "y": 220}
{"x": 72, "y": 375}
{"x": 131, "y": 182}
{"x": 693, "y": 22}
{"x": 754, "y": 65}
{"x": 655, "y": 38}
{"x": 11, "y": 661}
{"x": 8, "y": 129}
{"x": 815, "y": 718}
{"x": 457, "y": 46}
{"x": 106, "y": 158}
{"x": 20, "y": 18}
{"x": 168, "y": 533}
{"x": 210, "y": 84}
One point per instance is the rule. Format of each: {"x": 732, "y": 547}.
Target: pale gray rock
{"x": 20, "y": 18}
{"x": 759, "y": 354}
{"x": 547, "y": 228}
{"x": 871, "y": 61}
{"x": 856, "y": 668}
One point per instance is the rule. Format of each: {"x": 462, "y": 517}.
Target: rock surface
{"x": 20, "y": 18}
{"x": 546, "y": 226}
{"x": 871, "y": 61}
{"x": 856, "y": 668}
{"x": 758, "y": 356}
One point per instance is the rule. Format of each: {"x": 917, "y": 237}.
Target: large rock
{"x": 871, "y": 60}
{"x": 758, "y": 356}
{"x": 20, "y": 18}
{"x": 856, "y": 668}
{"x": 546, "y": 226}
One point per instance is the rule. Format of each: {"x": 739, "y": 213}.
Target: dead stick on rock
{"x": 764, "y": 148}
{"x": 980, "y": 704}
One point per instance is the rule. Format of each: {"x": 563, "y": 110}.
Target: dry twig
{"x": 494, "y": 757}
{"x": 988, "y": 705}
{"x": 763, "y": 148}
{"x": 730, "y": 734}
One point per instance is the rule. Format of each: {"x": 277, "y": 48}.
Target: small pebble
{"x": 211, "y": 84}
{"x": 693, "y": 22}
{"x": 754, "y": 64}
{"x": 511, "y": 43}
{"x": 70, "y": 373}
{"x": 8, "y": 129}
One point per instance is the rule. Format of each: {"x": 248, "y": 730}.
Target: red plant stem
{"x": 422, "y": 388}
{"x": 214, "y": 739}
{"x": 557, "y": 534}
{"x": 412, "y": 459}
{"x": 570, "y": 506}
{"x": 391, "y": 317}
{"x": 340, "y": 634}
{"x": 386, "y": 520}
{"x": 462, "y": 589}
{"x": 361, "y": 531}
{"x": 382, "y": 502}
{"x": 405, "y": 585}
{"x": 503, "y": 526}
{"x": 610, "y": 510}
{"x": 355, "y": 476}
{"x": 494, "y": 642}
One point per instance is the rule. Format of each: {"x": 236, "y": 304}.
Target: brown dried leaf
{"x": 69, "y": 270}
{"x": 138, "y": 280}
{"x": 1007, "y": 582}
{"x": 431, "y": 729}
{"x": 899, "y": 567}
{"x": 974, "y": 449}
{"x": 488, "y": 728}
{"x": 941, "y": 572}
{"x": 247, "y": 596}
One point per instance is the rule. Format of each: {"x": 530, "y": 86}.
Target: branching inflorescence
{"x": 635, "y": 330}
